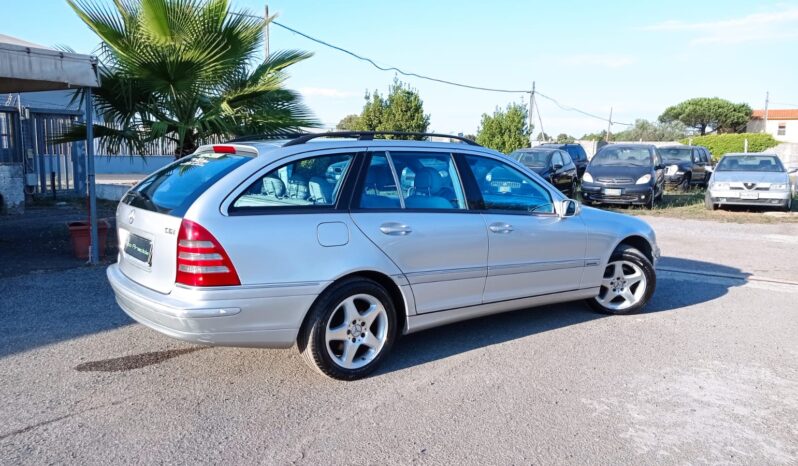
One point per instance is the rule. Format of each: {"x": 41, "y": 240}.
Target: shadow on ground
{"x": 701, "y": 282}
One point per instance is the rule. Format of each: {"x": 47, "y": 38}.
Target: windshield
{"x": 532, "y": 158}
{"x": 172, "y": 189}
{"x": 639, "y": 157}
{"x": 750, "y": 163}
{"x": 676, "y": 154}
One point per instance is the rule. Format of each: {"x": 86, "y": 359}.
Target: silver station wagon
{"x": 342, "y": 245}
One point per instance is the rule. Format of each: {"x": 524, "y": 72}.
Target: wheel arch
{"x": 640, "y": 243}
{"x": 402, "y": 303}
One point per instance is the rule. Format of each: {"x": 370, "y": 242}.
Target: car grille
{"x": 608, "y": 180}
{"x": 750, "y": 186}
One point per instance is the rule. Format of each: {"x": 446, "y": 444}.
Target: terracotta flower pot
{"x": 80, "y": 237}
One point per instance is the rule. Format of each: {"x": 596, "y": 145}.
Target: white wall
{"x": 790, "y": 135}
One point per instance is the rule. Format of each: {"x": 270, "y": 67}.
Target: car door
{"x": 559, "y": 176}
{"x": 532, "y": 251}
{"x": 411, "y": 204}
{"x": 699, "y": 167}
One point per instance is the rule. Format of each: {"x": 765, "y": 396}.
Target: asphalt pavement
{"x": 708, "y": 374}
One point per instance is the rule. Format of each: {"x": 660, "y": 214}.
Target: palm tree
{"x": 185, "y": 70}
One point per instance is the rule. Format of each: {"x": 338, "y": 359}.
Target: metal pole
{"x": 94, "y": 251}
{"x": 609, "y": 125}
{"x": 531, "y": 110}
{"x": 266, "y": 33}
{"x": 767, "y": 100}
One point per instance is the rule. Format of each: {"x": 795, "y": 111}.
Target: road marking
{"x": 736, "y": 279}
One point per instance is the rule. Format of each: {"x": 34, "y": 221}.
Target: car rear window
{"x": 174, "y": 188}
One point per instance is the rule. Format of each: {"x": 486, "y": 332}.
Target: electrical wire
{"x": 784, "y": 103}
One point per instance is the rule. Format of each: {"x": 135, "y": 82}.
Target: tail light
{"x": 201, "y": 260}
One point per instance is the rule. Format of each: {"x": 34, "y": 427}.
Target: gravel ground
{"x": 709, "y": 374}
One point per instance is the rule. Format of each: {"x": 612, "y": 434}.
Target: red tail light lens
{"x": 201, "y": 260}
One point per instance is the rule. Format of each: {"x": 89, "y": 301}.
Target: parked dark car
{"x": 624, "y": 174}
{"x": 554, "y": 165}
{"x": 686, "y": 166}
{"x": 577, "y": 153}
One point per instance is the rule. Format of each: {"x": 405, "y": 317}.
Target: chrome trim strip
{"x": 415, "y": 323}
{"x": 593, "y": 262}
{"x": 509, "y": 269}
{"x": 430, "y": 276}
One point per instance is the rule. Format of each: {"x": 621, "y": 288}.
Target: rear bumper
{"x": 267, "y": 317}
{"x": 630, "y": 194}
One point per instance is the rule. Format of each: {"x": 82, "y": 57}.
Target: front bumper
{"x": 229, "y": 316}
{"x": 737, "y": 197}
{"x": 639, "y": 194}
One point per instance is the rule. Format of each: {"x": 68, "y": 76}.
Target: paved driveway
{"x": 708, "y": 375}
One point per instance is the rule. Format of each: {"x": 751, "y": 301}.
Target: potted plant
{"x": 80, "y": 236}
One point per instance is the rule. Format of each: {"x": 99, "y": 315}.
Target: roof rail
{"x": 369, "y": 136}
{"x": 268, "y": 136}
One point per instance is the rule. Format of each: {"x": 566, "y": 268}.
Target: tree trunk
{"x": 188, "y": 147}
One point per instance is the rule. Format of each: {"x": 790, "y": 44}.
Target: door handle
{"x": 500, "y": 227}
{"x": 395, "y": 229}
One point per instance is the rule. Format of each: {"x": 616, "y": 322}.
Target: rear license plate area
{"x": 139, "y": 248}
{"x": 612, "y": 192}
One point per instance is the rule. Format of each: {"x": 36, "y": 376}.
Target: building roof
{"x": 26, "y": 67}
{"x": 776, "y": 114}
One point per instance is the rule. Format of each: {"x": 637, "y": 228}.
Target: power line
{"x": 429, "y": 78}
{"x": 784, "y": 103}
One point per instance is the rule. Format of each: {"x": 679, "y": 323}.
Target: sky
{"x": 635, "y": 57}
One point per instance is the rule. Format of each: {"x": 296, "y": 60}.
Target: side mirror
{"x": 556, "y": 166}
{"x": 569, "y": 208}
{"x": 792, "y": 170}
{"x": 659, "y": 167}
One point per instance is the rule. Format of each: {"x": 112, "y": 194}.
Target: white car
{"x": 750, "y": 180}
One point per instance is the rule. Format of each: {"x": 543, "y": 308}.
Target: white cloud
{"x": 328, "y": 92}
{"x": 767, "y": 26}
{"x": 598, "y": 59}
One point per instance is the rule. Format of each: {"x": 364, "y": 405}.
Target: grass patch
{"x": 690, "y": 205}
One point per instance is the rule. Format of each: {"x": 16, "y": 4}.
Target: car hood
{"x": 750, "y": 177}
{"x": 537, "y": 169}
{"x": 625, "y": 171}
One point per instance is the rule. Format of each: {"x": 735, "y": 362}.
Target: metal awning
{"x": 28, "y": 67}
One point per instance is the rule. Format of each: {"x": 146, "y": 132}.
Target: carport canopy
{"x": 28, "y": 67}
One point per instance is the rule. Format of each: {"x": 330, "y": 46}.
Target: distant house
{"x": 781, "y": 124}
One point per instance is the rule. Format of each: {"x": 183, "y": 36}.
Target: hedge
{"x": 719, "y": 144}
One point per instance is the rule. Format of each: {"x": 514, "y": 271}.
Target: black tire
{"x": 311, "y": 339}
{"x": 574, "y": 189}
{"x": 652, "y": 200}
{"x": 708, "y": 204}
{"x": 684, "y": 186}
{"x": 628, "y": 253}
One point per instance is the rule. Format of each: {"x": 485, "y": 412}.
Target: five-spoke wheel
{"x": 627, "y": 284}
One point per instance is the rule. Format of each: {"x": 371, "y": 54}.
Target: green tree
{"x": 505, "y": 130}
{"x": 401, "y": 110}
{"x": 563, "y": 138}
{"x": 543, "y": 137}
{"x": 186, "y": 70}
{"x": 644, "y": 130}
{"x": 347, "y": 123}
{"x": 600, "y": 136}
{"x": 709, "y": 114}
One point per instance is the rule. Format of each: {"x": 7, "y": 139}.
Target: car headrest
{"x": 428, "y": 180}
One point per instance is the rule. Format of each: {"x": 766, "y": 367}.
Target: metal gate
{"x": 10, "y": 150}
{"x": 55, "y": 164}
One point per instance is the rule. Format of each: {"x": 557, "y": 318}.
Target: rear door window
{"x": 504, "y": 188}
{"x": 313, "y": 182}
{"x": 174, "y": 188}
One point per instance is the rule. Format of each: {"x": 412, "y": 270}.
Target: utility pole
{"x": 609, "y": 126}
{"x": 767, "y": 101}
{"x": 531, "y": 110}
{"x": 266, "y": 33}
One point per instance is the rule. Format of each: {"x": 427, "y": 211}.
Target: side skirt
{"x": 416, "y": 323}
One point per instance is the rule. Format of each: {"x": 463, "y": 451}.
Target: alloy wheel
{"x": 623, "y": 286}
{"x": 356, "y": 331}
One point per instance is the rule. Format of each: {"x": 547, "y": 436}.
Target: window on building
{"x": 782, "y": 129}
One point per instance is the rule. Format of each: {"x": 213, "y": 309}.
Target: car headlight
{"x": 587, "y": 177}
{"x": 779, "y": 187}
{"x": 719, "y": 186}
{"x": 643, "y": 179}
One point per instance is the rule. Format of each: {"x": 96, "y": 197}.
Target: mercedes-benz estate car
{"x": 341, "y": 246}
{"x": 554, "y": 165}
{"x": 751, "y": 180}
{"x": 631, "y": 174}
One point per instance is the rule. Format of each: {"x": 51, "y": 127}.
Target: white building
{"x": 781, "y": 124}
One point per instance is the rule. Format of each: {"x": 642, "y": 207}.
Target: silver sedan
{"x": 751, "y": 180}
{"x": 341, "y": 246}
